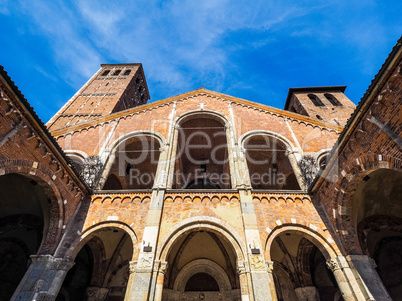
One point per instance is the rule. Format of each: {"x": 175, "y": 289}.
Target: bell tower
{"x": 114, "y": 88}
{"x": 328, "y": 104}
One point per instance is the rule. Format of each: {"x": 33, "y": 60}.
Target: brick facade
{"x": 161, "y": 240}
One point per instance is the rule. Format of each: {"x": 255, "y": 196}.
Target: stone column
{"x": 242, "y": 270}
{"x": 343, "y": 283}
{"x": 43, "y": 279}
{"x": 365, "y": 267}
{"x": 270, "y": 269}
{"x": 96, "y": 293}
{"x": 258, "y": 270}
{"x": 291, "y": 154}
{"x": 159, "y": 281}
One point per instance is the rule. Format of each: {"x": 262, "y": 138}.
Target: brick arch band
{"x": 44, "y": 177}
{"x": 349, "y": 182}
{"x": 92, "y": 231}
{"x": 212, "y": 224}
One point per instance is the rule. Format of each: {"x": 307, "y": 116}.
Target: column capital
{"x": 163, "y": 267}
{"x": 270, "y": 266}
{"x": 333, "y": 265}
{"x": 242, "y": 267}
{"x": 132, "y": 266}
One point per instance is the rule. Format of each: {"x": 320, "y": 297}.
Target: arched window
{"x": 106, "y": 72}
{"x": 202, "y": 159}
{"x": 316, "y": 101}
{"x": 332, "y": 99}
{"x": 268, "y": 165}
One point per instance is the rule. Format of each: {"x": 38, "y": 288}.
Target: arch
{"x": 213, "y": 130}
{"x": 44, "y": 177}
{"x": 201, "y": 222}
{"x": 116, "y": 143}
{"x": 315, "y": 100}
{"x": 332, "y": 99}
{"x": 313, "y": 236}
{"x": 360, "y": 168}
{"x": 202, "y": 114}
{"x": 202, "y": 266}
{"x": 78, "y": 153}
{"x": 243, "y": 138}
{"x": 91, "y": 232}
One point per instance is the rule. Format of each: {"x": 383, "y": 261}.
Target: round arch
{"x": 211, "y": 114}
{"x": 44, "y": 177}
{"x": 78, "y": 153}
{"x": 116, "y": 143}
{"x": 202, "y": 266}
{"x": 289, "y": 145}
{"x": 349, "y": 182}
{"x": 91, "y": 232}
{"x": 212, "y": 224}
{"x": 321, "y": 243}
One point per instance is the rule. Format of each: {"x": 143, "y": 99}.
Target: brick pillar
{"x": 96, "y": 293}
{"x": 370, "y": 280}
{"x": 43, "y": 279}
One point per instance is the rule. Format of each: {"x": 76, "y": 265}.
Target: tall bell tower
{"x": 114, "y": 88}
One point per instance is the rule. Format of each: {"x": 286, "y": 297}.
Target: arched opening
{"x": 300, "y": 271}
{"x": 202, "y": 155}
{"x": 135, "y": 164}
{"x": 208, "y": 271}
{"x": 315, "y": 100}
{"x": 377, "y": 213}
{"x": 268, "y": 164}
{"x": 24, "y": 224}
{"x": 332, "y": 99}
{"x": 76, "y": 161}
{"x": 101, "y": 268}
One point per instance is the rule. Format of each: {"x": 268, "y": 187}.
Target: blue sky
{"x": 255, "y": 50}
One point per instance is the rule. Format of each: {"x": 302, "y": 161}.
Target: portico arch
{"x": 102, "y": 257}
{"x": 189, "y": 267}
{"x": 300, "y": 258}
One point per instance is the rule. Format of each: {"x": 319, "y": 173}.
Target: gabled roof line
{"x": 194, "y": 93}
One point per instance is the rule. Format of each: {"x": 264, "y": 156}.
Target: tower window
{"x": 106, "y": 72}
{"x": 117, "y": 72}
{"x": 127, "y": 72}
{"x": 332, "y": 99}
{"x": 316, "y": 101}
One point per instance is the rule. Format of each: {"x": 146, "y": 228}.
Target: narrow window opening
{"x": 127, "y": 72}
{"x": 117, "y": 72}
{"x": 106, "y": 72}
{"x": 137, "y": 80}
{"x": 107, "y": 84}
{"x": 332, "y": 99}
{"x": 316, "y": 101}
{"x": 318, "y": 117}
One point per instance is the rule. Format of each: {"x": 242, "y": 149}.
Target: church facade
{"x": 202, "y": 196}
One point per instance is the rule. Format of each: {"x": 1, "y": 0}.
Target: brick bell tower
{"x": 328, "y": 104}
{"x": 114, "y": 88}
